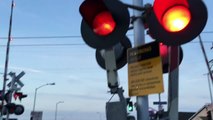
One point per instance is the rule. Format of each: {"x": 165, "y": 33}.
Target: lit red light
{"x": 176, "y": 18}
{"x": 103, "y": 24}
{"x": 163, "y": 50}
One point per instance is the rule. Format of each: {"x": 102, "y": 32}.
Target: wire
{"x": 203, "y": 41}
{"x": 67, "y": 36}
{"x": 207, "y": 32}
{"x": 44, "y": 45}
{"x": 42, "y": 37}
{"x": 63, "y": 44}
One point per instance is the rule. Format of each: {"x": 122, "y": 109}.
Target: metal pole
{"x": 205, "y": 57}
{"x": 34, "y": 103}
{"x": 210, "y": 82}
{"x": 34, "y": 99}
{"x": 210, "y": 90}
{"x": 159, "y": 106}
{"x": 139, "y": 39}
{"x": 207, "y": 64}
{"x": 139, "y": 36}
{"x": 11, "y": 90}
{"x": 173, "y": 92}
{"x": 7, "y": 55}
{"x": 56, "y": 109}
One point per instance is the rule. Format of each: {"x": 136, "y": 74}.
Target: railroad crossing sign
{"x": 145, "y": 70}
{"x": 16, "y": 79}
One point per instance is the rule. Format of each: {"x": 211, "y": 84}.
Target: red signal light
{"x": 164, "y": 53}
{"x": 176, "y": 18}
{"x": 103, "y": 23}
{"x": 174, "y": 15}
{"x": 176, "y": 22}
{"x": 163, "y": 50}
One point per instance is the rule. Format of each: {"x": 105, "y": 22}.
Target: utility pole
{"x": 209, "y": 83}
{"x": 11, "y": 90}
{"x": 139, "y": 39}
{"x": 205, "y": 57}
{"x": 7, "y": 54}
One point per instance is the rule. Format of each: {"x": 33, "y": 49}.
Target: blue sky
{"x": 71, "y": 64}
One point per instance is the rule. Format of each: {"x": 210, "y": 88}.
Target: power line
{"x": 44, "y": 45}
{"x": 63, "y": 44}
{"x": 67, "y": 36}
{"x": 203, "y": 41}
{"x": 207, "y": 32}
{"x": 58, "y": 45}
{"x": 43, "y": 37}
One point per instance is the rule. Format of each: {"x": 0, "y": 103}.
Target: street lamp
{"x": 56, "y": 108}
{"x": 36, "y": 93}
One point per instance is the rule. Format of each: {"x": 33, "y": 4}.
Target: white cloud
{"x": 25, "y": 69}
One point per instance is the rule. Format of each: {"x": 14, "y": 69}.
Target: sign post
{"x": 145, "y": 70}
{"x": 36, "y": 115}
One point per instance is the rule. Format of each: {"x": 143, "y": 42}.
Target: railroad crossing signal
{"x": 104, "y": 27}
{"x": 105, "y": 22}
{"x": 175, "y": 22}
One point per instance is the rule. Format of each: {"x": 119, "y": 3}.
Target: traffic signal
{"x": 175, "y": 22}
{"x": 13, "y": 108}
{"x": 4, "y": 110}
{"x": 104, "y": 25}
{"x": 105, "y": 22}
{"x": 10, "y": 107}
{"x": 120, "y": 51}
{"x": 19, "y": 95}
{"x": 7, "y": 96}
{"x": 19, "y": 109}
{"x": 164, "y": 53}
{"x": 130, "y": 106}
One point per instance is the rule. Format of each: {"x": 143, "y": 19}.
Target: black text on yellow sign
{"x": 145, "y": 70}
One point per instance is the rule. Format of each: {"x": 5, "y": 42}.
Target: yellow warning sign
{"x": 145, "y": 70}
